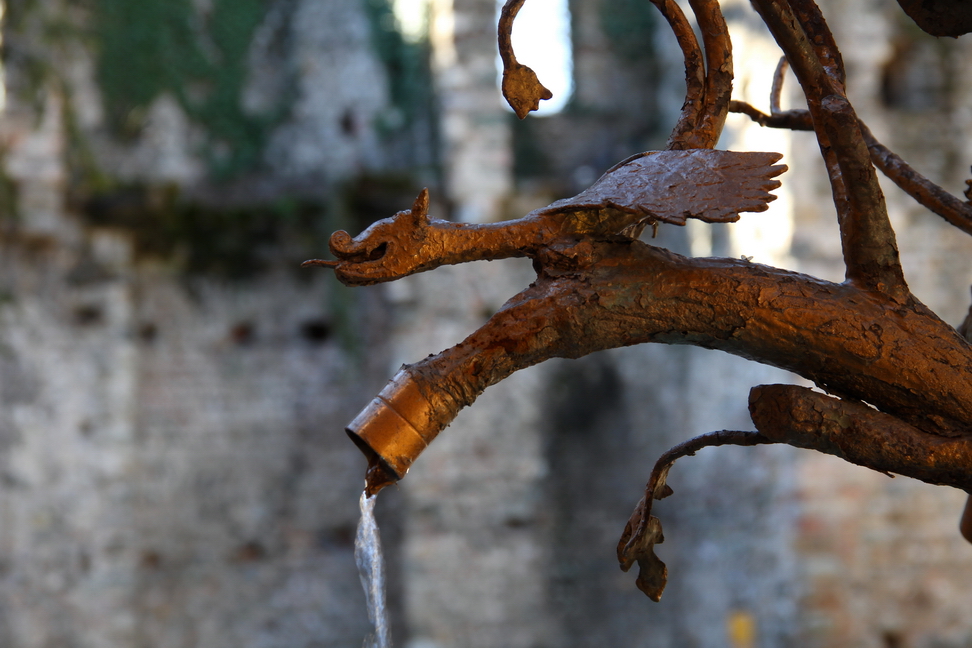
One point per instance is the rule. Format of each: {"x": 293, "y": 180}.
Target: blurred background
{"x": 173, "y": 467}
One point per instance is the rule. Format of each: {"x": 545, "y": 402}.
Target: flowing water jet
{"x": 371, "y": 569}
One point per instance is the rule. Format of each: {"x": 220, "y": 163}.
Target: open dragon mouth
{"x": 365, "y": 248}
{"x": 362, "y": 255}
{"x": 377, "y": 252}
{"x": 374, "y": 254}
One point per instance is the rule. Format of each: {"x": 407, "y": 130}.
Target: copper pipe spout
{"x": 395, "y": 427}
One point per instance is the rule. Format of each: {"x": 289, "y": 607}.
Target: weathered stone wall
{"x": 168, "y": 480}
{"x": 172, "y": 467}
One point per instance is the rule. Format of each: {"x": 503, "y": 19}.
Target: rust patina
{"x": 866, "y": 340}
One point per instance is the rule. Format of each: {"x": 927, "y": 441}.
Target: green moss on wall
{"x": 530, "y": 158}
{"x": 234, "y": 242}
{"x": 146, "y": 48}
{"x": 150, "y": 47}
{"x": 239, "y": 241}
{"x": 402, "y": 60}
{"x": 407, "y": 64}
{"x": 630, "y": 27}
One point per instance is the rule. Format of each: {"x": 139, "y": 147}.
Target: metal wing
{"x": 670, "y": 186}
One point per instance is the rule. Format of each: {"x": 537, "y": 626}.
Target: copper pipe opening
{"x": 393, "y": 430}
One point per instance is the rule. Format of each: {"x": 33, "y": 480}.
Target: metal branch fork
{"x": 598, "y": 287}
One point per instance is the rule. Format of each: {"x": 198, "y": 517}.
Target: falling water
{"x": 371, "y": 570}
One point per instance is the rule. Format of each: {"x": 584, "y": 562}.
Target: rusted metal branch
{"x": 803, "y": 418}
{"x": 718, "y": 72}
{"x": 682, "y": 137}
{"x": 870, "y": 250}
{"x": 796, "y": 119}
{"x": 858, "y": 434}
{"x": 800, "y": 53}
{"x": 779, "y": 76}
{"x": 940, "y": 17}
{"x": 901, "y": 358}
{"x": 708, "y": 86}
{"x": 643, "y": 530}
{"x": 599, "y": 288}
{"x": 593, "y": 295}
{"x": 521, "y": 88}
{"x": 822, "y": 40}
{"x": 924, "y": 191}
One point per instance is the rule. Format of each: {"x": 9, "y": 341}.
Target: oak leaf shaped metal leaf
{"x": 671, "y": 186}
{"x": 642, "y": 532}
{"x": 652, "y": 572}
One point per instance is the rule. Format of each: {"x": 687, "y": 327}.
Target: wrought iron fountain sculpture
{"x": 898, "y": 380}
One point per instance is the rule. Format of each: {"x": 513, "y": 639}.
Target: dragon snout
{"x": 346, "y": 248}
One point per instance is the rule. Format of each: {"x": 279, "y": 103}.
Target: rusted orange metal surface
{"x": 599, "y": 286}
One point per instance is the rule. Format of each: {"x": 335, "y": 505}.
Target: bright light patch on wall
{"x": 412, "y": 18}
{"x": 541, "y": 40}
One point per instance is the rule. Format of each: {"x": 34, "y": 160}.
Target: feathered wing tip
{"x": 671, "y": 186}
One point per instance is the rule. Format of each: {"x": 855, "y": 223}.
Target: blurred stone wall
{"x": 173, "y": 471}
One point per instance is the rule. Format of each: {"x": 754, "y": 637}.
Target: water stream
{"x": 371, "y": 570}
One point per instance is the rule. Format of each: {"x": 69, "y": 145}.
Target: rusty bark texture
{"x": 898, "y": 379}
{"x": 940, "y": 17}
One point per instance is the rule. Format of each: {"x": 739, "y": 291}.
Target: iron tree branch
{"x": 867, "y": 239}
{"x": 856, "y": 343}
{"x": 925, "y": 192}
